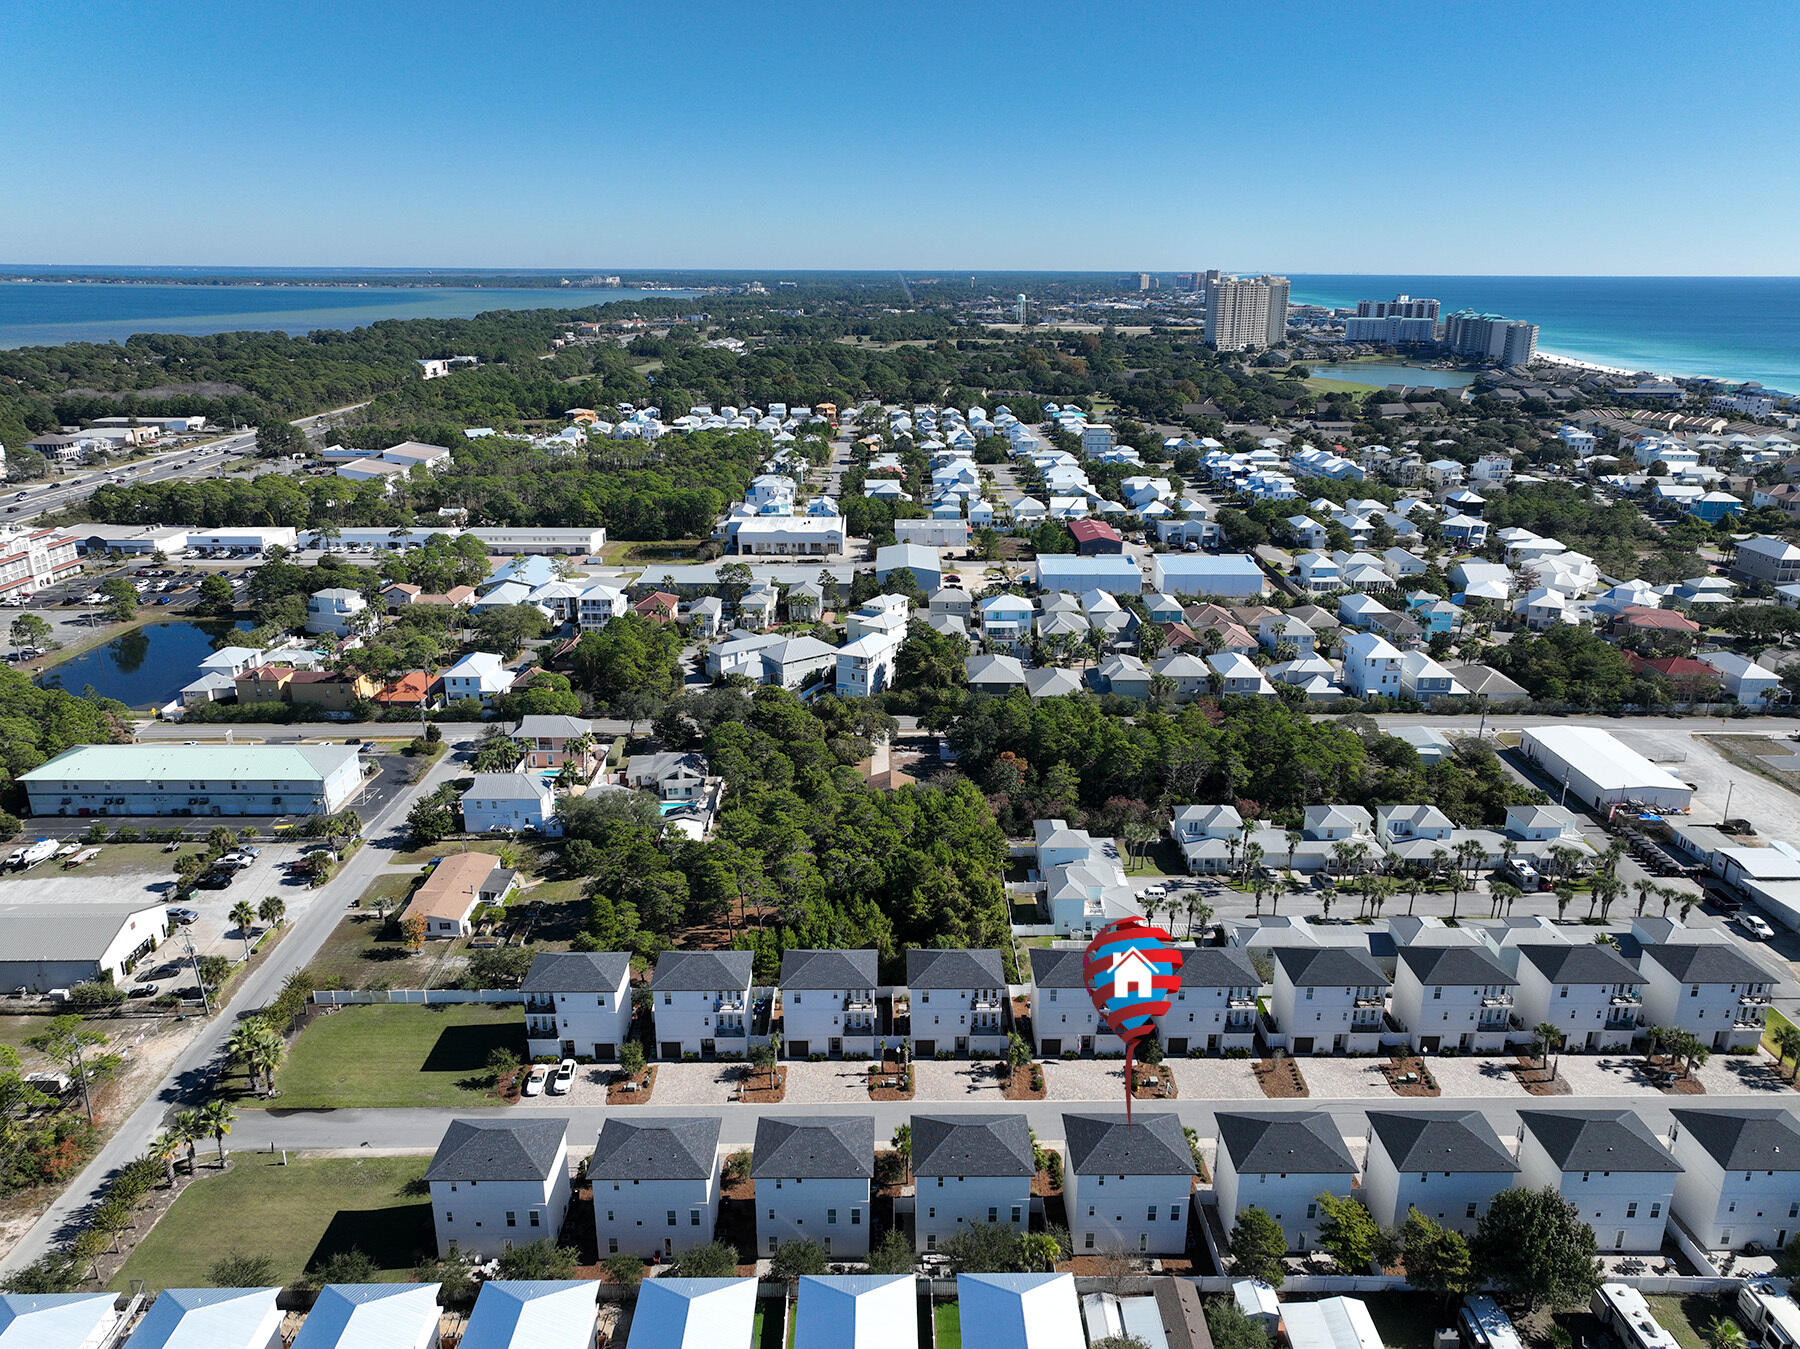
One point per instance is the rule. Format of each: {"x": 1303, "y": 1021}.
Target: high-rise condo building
{"x": 1401, "y": 319}
{"x": 1401, "y": 307}
{"x": 1490, "y": 337}
{"x": 1245, "y": 311}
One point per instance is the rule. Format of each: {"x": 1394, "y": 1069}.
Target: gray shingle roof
{"x": 1103, "y": 1143}
{"x": 506, "y": 787}
{"x": 1745, "y": 1140}
{"x": 662, "y": 1149}
{"x": 1708, "y": 963}
{"x": 483, "y": 1149}
{"x": 577, "y": 972}
{"x": 928, "y": 967}
{"x": 1447, "y": 1140}
{"x": 1304, "y": 1144}
{"x": 701, "y": 971}
{"x": 1217, "y": 967}
{"x": 1057, "y": 967}
{"x": 1597, "y": 1140}
{"x": 828, "y": 969}
{"x": 1324, "y": 965}
{"x": 825, "y": 1148}
{"x": 1455, "y": 965}
{"x": 971, "y": 1145}
{"x": 1587, "y": 963}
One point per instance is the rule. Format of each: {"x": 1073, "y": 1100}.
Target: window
{"x": 449, "y": 1217}
{"x": 1087, "y": 1241}
{"x": 671, "y": 1217}
{"x": 931, "y": 1241}
{"x": 612, "y": 1245}
{"x": 1150, "y": 1217}
{"x": 693, "y": 1217}
{"x": 931, "y": 1212}
{"x": 536, "y": 1221}
{"x": 1565, "y": 991}
{"x": 512, "y": 1219}
{"x": 831, "y": 1215}
{"x": 856, "y": 1217}
{"x": 993, "y": 1215}
{"x": 1312, "y": 1211}
{"x": 1469, "y": 1212}
{"x": 1436, "y": 994}
{"x": 1015, "y": 1215}
{"x": 1656, "y": 1209}
{"x": 1631, "y": 1210}
{"x": 1309, "y": 995}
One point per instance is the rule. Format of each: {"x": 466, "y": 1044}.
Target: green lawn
{"x": 396, "y": 1055}
{"x": 1319, "y": 385}
{"x": 1773, "y": 1023}
{"x": 1682, "y": 1317}
{"x": 362, "y": 953}
{"x": 293, "y": 1214}
{"x": 946, "y": 1318}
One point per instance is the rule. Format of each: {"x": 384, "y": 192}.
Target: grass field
{"x": 357, "y": 955}
{"x": 1315, "y": 384}
{"x": 396, "y": 1055}
{"x": 1682, "y": 1317}
{"x": 947, "y": 1318}
{"x": 293, "y": 1214}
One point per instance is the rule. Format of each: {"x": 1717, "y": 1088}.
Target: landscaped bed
{"x": 1410, "y": 1077}
{"x": 294, "y": 1214}
{"x": 891, "y": 1081}
{"x": 1531, "y": 1074}
{"x": 1280, "y": 1078}
{"x": 397, "y": 1054}
{"x": 625, "y": 1089}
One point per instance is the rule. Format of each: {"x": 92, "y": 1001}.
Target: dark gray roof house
{"x": 1586, "y": 963}
{"x": 701, "y": 971}
{"x": 1057, "y": 967}
{"x": 928, "y": 967}
{"x": 972, "y": 1145}
{"x": 661, "y": 1149}
{"x": 1217, "y": 967}
{"x": 1104, "y": 1144}
{"x": 1745, "y": 1140}
{"x": 828, "y": 969}
{"x": 483, "y": 1149}
{"x": 576, "y": 971}
{"x": 1440, "y": 1140}
{"x": 1707, "y": 963}
{"x": 1458, "y": 965}
{"x": 826, "y": 1148}
{"x": 1597, "y": 1140}
{"x": 1323, "y": 966}
{"x": 1305, "y": 1144}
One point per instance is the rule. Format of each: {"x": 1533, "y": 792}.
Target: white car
{"x": 564, "y": 1079}
{"x": 1155, "y": 892}
{"x": 1755, "y": 927}
{"x": 534, "y": 1081}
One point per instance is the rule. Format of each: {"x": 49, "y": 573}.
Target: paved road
{"x": 187, "y": 1079}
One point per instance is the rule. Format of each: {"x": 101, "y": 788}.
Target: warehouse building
{"x": 1113, "y": 573}
{"x": 158, "y": 779}
{"x": 46, "y": 946}
{"x": 1235, "y": 576}
{"x": 1599, "y": 770}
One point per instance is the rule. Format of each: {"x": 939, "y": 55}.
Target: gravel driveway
{"x": 1092, "y": 1080}
{"x": 953, "y": 1080}
{"x": 1335, "y": 1079}
{"x": 1215, "y": 1080}
{"x": 1478, "y": 1075}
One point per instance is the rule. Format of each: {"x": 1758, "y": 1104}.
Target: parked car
{"x": 182, "y": 917}
{"x": 216, "y": 879}
{"x": 1158, "y": 891}
{"x": 535, "y": 1079}
{"x": 1755, "y": 926}
{"x": 564, "y": 1079}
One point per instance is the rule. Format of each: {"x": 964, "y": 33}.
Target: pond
{"x": 145, "y": 667}
{"x": 1381, "y": 375}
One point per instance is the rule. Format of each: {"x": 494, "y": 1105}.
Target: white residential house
{"x": 970, "y": 1171}
{"x": 372, "y": 1316}
{"x": 499, "y": 1183}
{"x": 812, "y": 1180}
{"x": 701, "y": 1003}
{"x": 1710, "y": 989}
{"x": 1206, "y": 835}
{"x": 338, "y": 611}
{"x": 1751, "y": 684}
{"x": 521, "y": 803}
{"x": 577, "y": 1004}
{"x": 828, "y": 1004}
{"x": 1277, "y": 628}
{"x": 1448, "y": 1164}
{"x": 598, "y": 605}
{"x": 1740, "y": 1177}
{"x": 1128, "y": 1186}
{"x": 1399, "y": 824}
{"x": 1329, "y": 1000}
{"x": 1453, "y": 997}
{"x": 656, "y": 1184}
{"x": 1608, "y": 1165}
{"x": 480, "y": 675}
{"x": 1281, "y": 1164}
{"x": 865, "y": 665}
{"x": 1238, "y": 675}
{"x": 1372, "y": 666}
{"x": 1214, "y": 1009}
{"x": 1319, "y": 575}
{"x": 958, "y": 1001}
{"x": 1064, "y": 1021}
{"x": 1587, "y": 990}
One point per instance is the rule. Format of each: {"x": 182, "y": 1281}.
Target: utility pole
{"x": 187, "y": 940}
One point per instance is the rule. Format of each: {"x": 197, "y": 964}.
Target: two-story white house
{"x": 1215, "y": 1007}
{"x": 970, "y": 1171}
{"x": 1064, "y": 1020}
{"x": 1372, "y": 666}
{"x": 480, "y": 675}
{"x": 1454, "y": 997}
{"x": 1329, "y": 1000}
{"x": 1206, "y": 836}
{"x": 700, "y": 1002}
{"x": 1128, "y": 1186}
{"x": 577, "y": 1004}
{"x": 1588, "y": 991}
{"x": 828, "y": 1004}
{"x": 1740, "y": 1176}
{"x": 656, "y": 1184}
{"x": 1005, "y": 621}
{"x": 1403, "y": 824}
{"x": 1280, "y": 1164}
{"x": 812, "y": 1181}
{"x": 1607, "y": 1164}
{"x": 958, "y": 1001}
{"x": 499, "y": 1183}
{"x": 1709, "y": 989}
{"x": 1448, "y": 1164}
{"x": 865, "y": 665}
{"x": 338, "y": 611}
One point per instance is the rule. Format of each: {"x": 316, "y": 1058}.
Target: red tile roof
{"x": 1090, "y": 531}
{"x": 1656, "y": 620}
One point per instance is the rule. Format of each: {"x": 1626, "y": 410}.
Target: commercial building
{"x": 1245, "y": 311}
{"x": 1595, "y": 768}
{"x": 46, "y": 946}
{"x": 1233, "y": 576}
{"x": 160, "y": 779}
{"x": 1113, "y": 573}
{"x": 244, "y": 538}
{"x": 499, "y": 1183}
{"x": 1490, "y": 337}
{"x": 1401, "y": 319}
{"x": 33, "y": 559}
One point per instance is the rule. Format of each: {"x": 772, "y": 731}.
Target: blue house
{"x": 1714, "y": 506}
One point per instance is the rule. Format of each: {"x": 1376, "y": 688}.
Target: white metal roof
{"x": 1607, "y": 762}
{"x": 544, "y": 1314}
{"x": 857, "y": 1311}
{"x": 694, "y": 1314}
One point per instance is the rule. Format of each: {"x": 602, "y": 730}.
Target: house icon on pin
{"x": 1132, "y": 975}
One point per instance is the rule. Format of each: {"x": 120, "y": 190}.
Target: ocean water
{"x": 1733, "y": 327}
{"x": 34, "y": 313}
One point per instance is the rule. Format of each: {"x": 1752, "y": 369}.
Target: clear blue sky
{"x": 1588, "y": 138}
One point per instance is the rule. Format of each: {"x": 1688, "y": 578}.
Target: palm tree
{"x": 243, "y": 917}
{"x": 1645, "y": 887}
{"x": 1137, "y": 834}
{"x": 189, "y": 1128}
{"x": 1503, "y": 895}
{"x": 1199, "y": 912}
{"x": 1564, "y": 897}
{"x": 1549, "y": 1038}
{"x": 1253, "y": 856}
{"x": 903, "y": 1146}
{"x": 1564, "y": 860}
{"x": 272, "y": 911}
{"x": 217, "y": 1116}
{"x": 1787, "y": 1042}
{"x": 1722, "y": 1332}
{"x": 1294, "y": 839}
{"x": 165, "y": 1148}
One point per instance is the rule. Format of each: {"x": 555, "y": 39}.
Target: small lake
{"x": 145, "y": 667}
{"x": 1381, "y": 375}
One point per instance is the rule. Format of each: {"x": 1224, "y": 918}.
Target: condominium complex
{"x": 1490, "y": 337}
{"x": 1401, "y": 319}
{"x": 1245, "y": 311}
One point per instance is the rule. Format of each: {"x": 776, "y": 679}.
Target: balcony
{"x": 1244, "y": 1001}
{"x": 1625, "y": 1000}
{"x": 1622, "y": 1019}
{"x": 1497, "y": 1000}
{"x": 540, "y": 1028}
{"x": 985, "y": 1003}
{"x": 1376, "y": 1002}
{"x": 729, "y": 1030}
{"x": 859, "y": 1004}
{"x": 1754, "y": 1000}
{"x": 537, "y": 1002}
